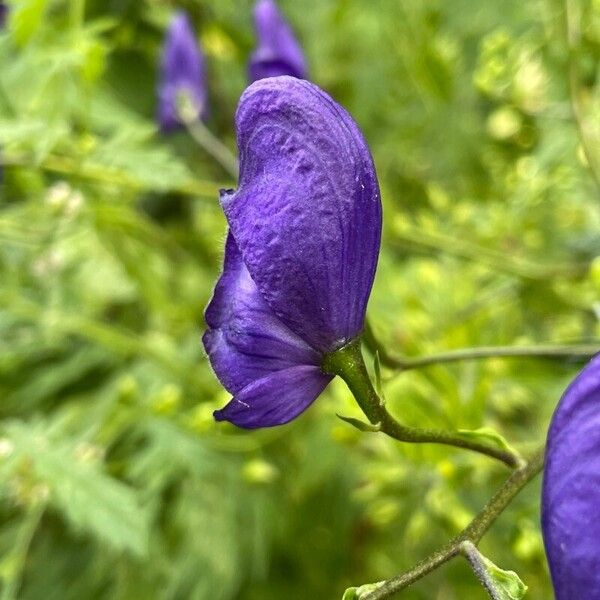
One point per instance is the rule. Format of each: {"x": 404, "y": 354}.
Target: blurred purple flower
{"x": 278, "y": 52}
{"x": 301, "y": 253}
{"x": 182, "y": 73}
{"x": 571, "y": 489}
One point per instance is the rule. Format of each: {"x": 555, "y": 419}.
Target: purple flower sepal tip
{"x": 182, "y": 73}
{"x": 301, "y": 252}
{"x": 278, "y": 52}
{"x": 571, "y": 489}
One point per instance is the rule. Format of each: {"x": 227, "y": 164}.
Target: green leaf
{"x": 65, "y": 473}
{"x": 507, "y": 583}
{"x": 361, "y": 425}
{"x": 489, "y": 436}
{"x": 357, "y": 593}
{"x": 500, "y": 584}
{"x": 26, "y": 18}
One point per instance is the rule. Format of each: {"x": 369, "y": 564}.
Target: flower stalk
{"x": 469, "y": 537}
{"x": 204, "y": 137}
{"x": 550, "y": 351}
{"x": 348, "y": 363}
{"x": 573, "y": 34}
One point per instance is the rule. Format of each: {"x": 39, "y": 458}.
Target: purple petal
{"x": 245, "y": 340}
{"x": 276, "y": 398}
{"x": 278, "y": 52}
{"x": 307, "y": 214}
{"x": 3, "y": 14}
{"x": 182, "y": 72}
{"x": 571, "y": 489}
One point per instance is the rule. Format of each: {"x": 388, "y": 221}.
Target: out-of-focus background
{"x": 114, "y": 480}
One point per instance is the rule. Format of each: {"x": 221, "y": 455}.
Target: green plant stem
{"x": 20, "y": 550}
{"x": 77, "y": 13}
{"x": 403, "y": 363}
{"x": 348, "y": 363}
{"x": 494, "y": 259}
{"x": 471, "y": 534}
{"x": 204, "y": 137}
{"x": 573, "y": 39}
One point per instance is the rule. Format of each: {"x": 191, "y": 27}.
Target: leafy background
{"x": 114, "y": 480}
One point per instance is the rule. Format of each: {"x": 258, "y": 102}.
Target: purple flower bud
{"x": 182, "y": 74}
{"x": 301, "y": 254}
{"x": 278, "y": 52}
{"x": 3, "y": 14}
{"x": 571, "y": 489}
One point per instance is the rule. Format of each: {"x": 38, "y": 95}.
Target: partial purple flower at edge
{"x": 571, "y": 489}
{"x": 3, "y": 14}
{"x": 278, "y": 52}
{"x": 301, "y": 253}
{"x": 182, "y": 71}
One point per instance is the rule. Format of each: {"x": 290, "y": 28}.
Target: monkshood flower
{"x": 571, "y": 489}
{"x": 278, "y": 52}
{"x": 182, "y": 74}
{"x": 301, "y": 252}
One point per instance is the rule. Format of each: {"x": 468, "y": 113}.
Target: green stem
{"x": 348, "y": 363}
{"x": 573, "y": 39}
{"x": 537, "y": 351}
{"x": 494, "y": 259}
{"x": 191, "y": 116}
{"x": 471, "y": 534}
{"x": 20, "y": 550}
{"x": 213, "y": 145}
{"x": 77, "y": 14}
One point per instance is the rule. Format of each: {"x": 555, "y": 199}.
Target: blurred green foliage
{"x": 114, "y": 480}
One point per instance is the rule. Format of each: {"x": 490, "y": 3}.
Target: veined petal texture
{"x": 307, "y": 214}
{"x": 276, "y": 398}
{"x": 245, "y": 340}
{"x": 571, "y": 489}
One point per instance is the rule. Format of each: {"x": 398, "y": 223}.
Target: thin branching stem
{"x": 472, "y": 534}
{"x": 549, "y": 351}
{"x": 191, "y": 116}
{"x": 436, "y": 241}
{"x": 13, "y": 578}
{"x": 204, "y": 137}
{"x": 573, "y": 40}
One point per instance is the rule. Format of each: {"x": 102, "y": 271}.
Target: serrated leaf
{"x": 358, "y": 593}
{"x": 87, "y": 498}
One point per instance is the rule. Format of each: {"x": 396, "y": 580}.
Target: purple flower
{"x": 301, "y": 253}
{"x": 182, "y": 74}
{"x": 3, "y": 14}
{"x": 278, "y": 52}
{"x": 571, "y": 489}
